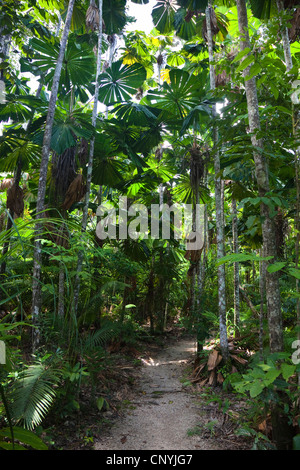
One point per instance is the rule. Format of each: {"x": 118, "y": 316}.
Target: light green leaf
{"x": 24, "y": 436}
{"x": 256, "y": 388}
{"x": 246, "y": 62}
{"x": 273, "y": 268}
{"x": 287, "y": 370}
{"x": 294, "y": 272}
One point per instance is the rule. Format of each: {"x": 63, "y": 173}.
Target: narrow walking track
{"x": 163, "y": 411}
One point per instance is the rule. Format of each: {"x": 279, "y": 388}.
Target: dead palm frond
{"x": 92, "y": 18}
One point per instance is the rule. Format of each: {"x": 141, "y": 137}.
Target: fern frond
{"x": 100, "y": 337}
{"x": 33, "y": 395}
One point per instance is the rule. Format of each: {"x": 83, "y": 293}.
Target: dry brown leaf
{"x": 212, "y": 378}
{"x": 92, "y": 19}
{"x": 220, "y": 378}
{"x": 75, "y": 192}
{"x": 6, "y": 183}
{"x": 15, "y": 200}
{"x": 214, "y": 360}
{"x": 239, "y": 359}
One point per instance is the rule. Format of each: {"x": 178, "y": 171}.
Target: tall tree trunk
{"x": 90, "y": 160}
{"x": 218, "y": 201}
{"x": 37, "y": 257}
{"x": 262, "y": 179}
{"x": 262, "y": 283}
{"x": 296, "y": 127}
{"x": 236, "y": 304}
{"x": 285, "y": 38}
{"x": 280, "y": 428}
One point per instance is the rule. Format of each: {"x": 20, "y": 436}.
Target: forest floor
{"x": 164, "y": 411}
{"x": 152, "y": 405}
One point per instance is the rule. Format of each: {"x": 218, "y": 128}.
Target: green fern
{"x": 33, "y": 395}
{"x": 100, "y": 337}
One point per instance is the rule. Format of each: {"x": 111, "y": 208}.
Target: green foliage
{"x": 20, "y": 437}
{"x": 262, "y": 378}
{"x": 33, "y": 394}
{"x": 120, "y": 82}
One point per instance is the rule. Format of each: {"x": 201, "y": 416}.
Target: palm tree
{"x": 37, "y": 263}
{"x": 91, "y": 150}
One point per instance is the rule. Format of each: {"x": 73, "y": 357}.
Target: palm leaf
{"x": 120, "y": 82}
{"x": 193, "y": 5}
{"x": 135, "y": 114}
{"x": 263, "y": 9}
{"x": 106, "y": 169}
{"x": 18, "y": 149}
{"x": 66, "y": 130}
{"x": 163, "y": 15}
{"x": 114, "y": 16}
{"x": 78, "y": 66}
{"x": 102, "y": 336}
{"x": 19, "y": 108}
{"x": 33, "y": 395}
{"x": 180, "y": 95}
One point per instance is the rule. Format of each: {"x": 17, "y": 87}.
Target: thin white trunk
{"x": 37, "y": 257}
{"x": 219, "y": 209}
{"x": 90, "y": 161}
{"x": 285, "y": 39}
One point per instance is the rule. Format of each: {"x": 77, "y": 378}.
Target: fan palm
{"x": 36, "y": 288}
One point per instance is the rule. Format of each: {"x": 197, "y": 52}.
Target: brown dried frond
{"x": 294, "y": 30}
{"x": 222, "y": 79}
{"x": 189, "y": 15}
{"x": 92, "y": 19}
{"x": 75, "y": 192}
{"x": 193, "y": 255}
{"x": 6, "y": 183}
{"x": 15, "y": 200}
{"x": 196, "y": 165}
{"x": 83, "y": 152}
{"x": 2, "y": 220}
{"x": 160, "y": 59}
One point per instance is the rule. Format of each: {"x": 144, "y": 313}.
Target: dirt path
{"x": 163, "y": 412}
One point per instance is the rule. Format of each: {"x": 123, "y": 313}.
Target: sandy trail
{"x": 163, "y": 411}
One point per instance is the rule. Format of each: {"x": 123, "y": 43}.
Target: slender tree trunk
{"x": 61, "y": 291}
{"x": 236, "y": 267}
{"x": 285, "y": 38}
{"x": 37, "y": 257}
{"x": 262, "y": 178}
{"x": 281, "y": 429}
{"x": 296, "y": 127}
{"x": 297, "y": 227}
{"x": 219, "y": 210}
{"x": 262, "y": 283}
{"x": 90, "y": 160}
